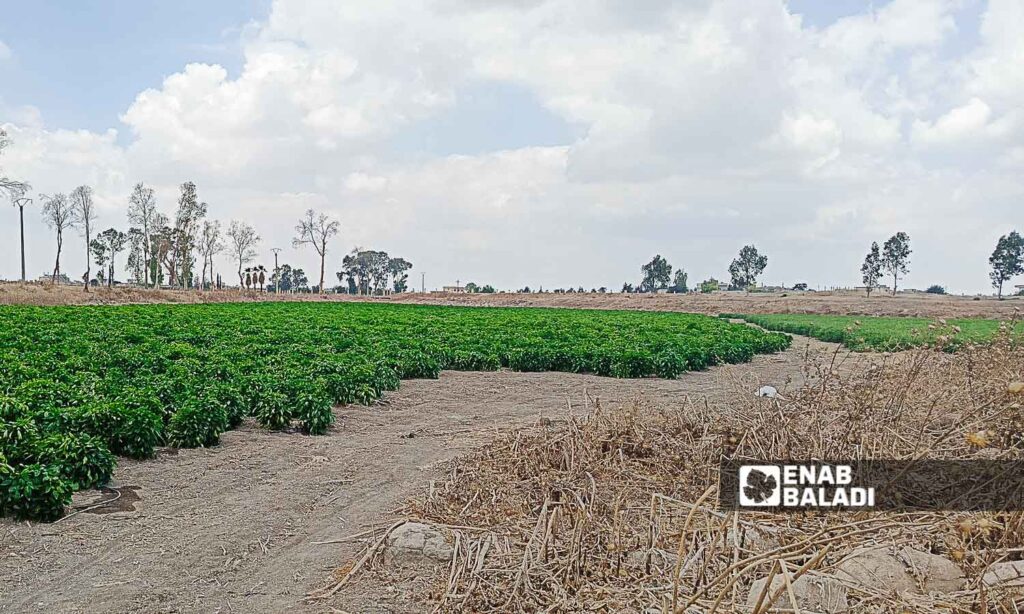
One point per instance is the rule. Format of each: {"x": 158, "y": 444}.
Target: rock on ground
{"x": 414, "y": 542}
{"x": 910, "y": 570}
{"x": 815, "y": 593}
{"x": 1007, "y": 575}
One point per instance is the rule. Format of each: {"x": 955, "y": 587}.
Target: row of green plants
{"x": 80, "y": 386}
{"x": 888, "y": 334}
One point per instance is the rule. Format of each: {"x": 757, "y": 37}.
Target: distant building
{"x": 453, "y": 289}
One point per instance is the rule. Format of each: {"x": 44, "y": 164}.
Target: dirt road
{"x": 233, "y": 528}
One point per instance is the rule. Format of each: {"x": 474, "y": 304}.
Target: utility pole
{"x": 423, "y": 282}
{"x": 277, "y": 271}
{"x": 21, "y": 202}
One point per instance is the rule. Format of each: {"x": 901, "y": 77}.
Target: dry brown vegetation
{"x": 844, "y": 303}
{"x": 48, "y": 294}
{"x": 616, "y": 509}
{"x": 839, "y": 303}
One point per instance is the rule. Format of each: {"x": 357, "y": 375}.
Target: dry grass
{"x": 842, "y": 303}
{"x": 838, "y": 303}
{"x": 50, "y": 295}
{"x": 615, "y": 509}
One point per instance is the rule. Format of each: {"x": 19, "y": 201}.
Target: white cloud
{"x": 958, "y": 124}
{"x": 703, "y": 125}
{"x": 899, "y": 25}
{"x": 5, "y": 52}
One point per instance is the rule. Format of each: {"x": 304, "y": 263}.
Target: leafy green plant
{"x": 84, "y": 461}
{"x": 12, "y": 408}
{"x": 882, "y": 333}
{"x": 273, "y": 411}
{"x": 128, "y": 431}
{"x": 197, "y": 423}
{"x": 122, "y": 375}
{"x": 46, "y": 393}
{"x": 18, "y": 440}
{"x": 233, "y": 402}
{"x": 633, "y": 364}
{"x": 35, "y": 492}
{"x": 315, "y": 410}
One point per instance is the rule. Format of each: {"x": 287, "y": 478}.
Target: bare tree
{"x": 142, "y": 212}
{"x": 315, "y": 230}
{"x": 58, "y": 216}
{"x": 243, "y": 245}
{"x": 15, "y": 191}
{"x": 9, "y": 186}
{"x": 210, "y": 244}
{"x": 83, "y": 212}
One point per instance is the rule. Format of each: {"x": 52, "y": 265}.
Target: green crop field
{"x": 879, "y": 333}
{"x": 80, "y": 385}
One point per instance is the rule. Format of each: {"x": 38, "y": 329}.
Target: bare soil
{"x": 235, "y": 528}
{"x": 839, "y": 303}
{"x": 844, "y": 303}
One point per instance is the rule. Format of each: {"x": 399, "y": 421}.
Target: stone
{"x": 937, "y": 573}
{"x": 1005, "y": 575}
{"x": 909, "y": 571}
{"x": 751, "y": 539}
{"x": 814, "y": 593}
{"x": 415, "y": 542}
{"x": 659, "y": 558}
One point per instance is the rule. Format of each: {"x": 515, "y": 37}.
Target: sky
{"x": 541, "y": 143}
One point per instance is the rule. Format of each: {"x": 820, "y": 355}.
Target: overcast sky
{"x": 536, "y": 142}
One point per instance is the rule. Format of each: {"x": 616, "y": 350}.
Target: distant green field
{"x": 877, "y": 333}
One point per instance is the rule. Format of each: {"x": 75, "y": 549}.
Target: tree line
{"x": 178, "y": 249}
{"x": 658, "y": 275}
{"x": 893, "y": 260}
